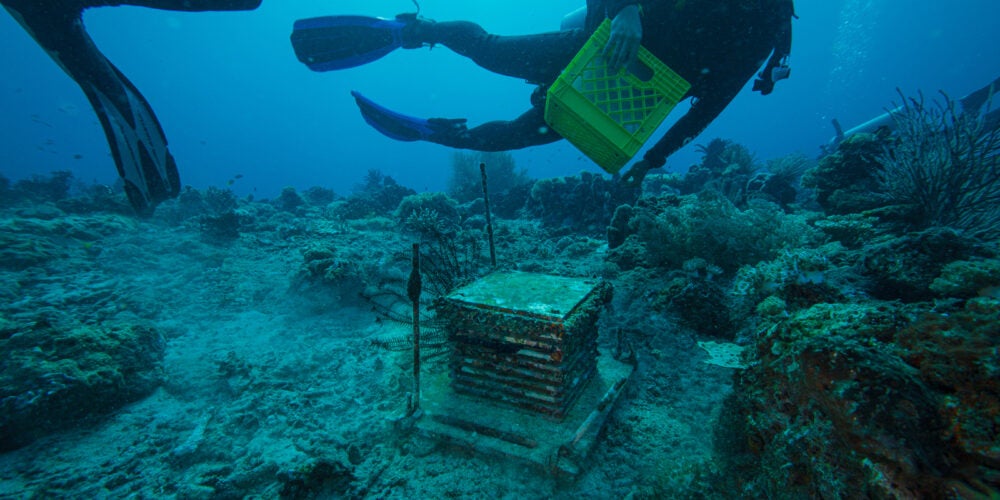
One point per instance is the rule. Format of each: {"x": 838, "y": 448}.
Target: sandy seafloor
{"x": 264, "y": 375}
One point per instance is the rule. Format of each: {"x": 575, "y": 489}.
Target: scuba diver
{"x": 977, "y": 104}
{"x": 716, "y": 45}
{"x": 137, "y": 142}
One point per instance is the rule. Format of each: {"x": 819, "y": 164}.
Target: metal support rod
{"x": 568, "y": 450}
{"x": 489, "y": 217}
{"x": 413, "y": 289}
{"x": 602, "y": 406}
{"x": 484, "y": 430}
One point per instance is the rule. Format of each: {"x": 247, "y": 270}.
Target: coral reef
{"x": 219, "y": 200}
{"x": 851, "y": 230}
{"x": 583, "y": 203}
{"x": 62, "y": 190}
{"x": 697, "y": 295}
{"x": 725, "y": 167}
{"x": 428, "y": 213}
{"x": 289, "y": 200}
{"x": 379, "y": 195}
{"x": 796, "y": 279}
{"x": 319, "y": 196}
{"x": 618, "y": 227}
{"x": 220, "y": 228}
{"x": 508, "y": 185}
{"x": 869, "y": 365}
{"x": 665, "y": 232}
{"x": 942, "y": 169}
{"x": 780, "y": 182}
{"x": 40, "y": 188}
{"x": 847, "y": 181}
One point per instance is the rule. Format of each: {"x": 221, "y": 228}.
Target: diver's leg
{"x": 60, "y": 7}
{"x": 526, "y": 130}
{"x": 185, "y": 5}
{"x": 974, "y": 102}
{"x": 536, "y": 58}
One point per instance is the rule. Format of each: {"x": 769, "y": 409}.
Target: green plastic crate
{"x": 609, "y": 115}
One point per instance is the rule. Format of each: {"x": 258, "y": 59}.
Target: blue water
{"x": 233, "y": 99}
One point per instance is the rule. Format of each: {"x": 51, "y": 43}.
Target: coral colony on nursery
{"x": 749, "y": 325}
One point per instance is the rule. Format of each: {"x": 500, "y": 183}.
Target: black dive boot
{"x": 416, "y": 31}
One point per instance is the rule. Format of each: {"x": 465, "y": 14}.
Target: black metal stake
{"x": 413, "y": 288}
{"x": 489, "y": 217}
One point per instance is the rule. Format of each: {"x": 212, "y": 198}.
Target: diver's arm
{"x": 698, "y": 118}
{"x": 694, "y": 122}
{"x": 701, "y": 114}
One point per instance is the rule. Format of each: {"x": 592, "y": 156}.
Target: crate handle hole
{"x": 641, "y": 71}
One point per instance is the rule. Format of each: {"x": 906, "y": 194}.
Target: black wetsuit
{"x": 716, "y": 45}
{"x": 137, "y": 142}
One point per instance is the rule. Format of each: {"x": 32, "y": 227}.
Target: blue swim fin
{"x": 338, "y": 42}
{"x": 408, "y": 128}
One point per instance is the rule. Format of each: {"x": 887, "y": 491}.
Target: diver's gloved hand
{"x": 636, "y": 174}
{"x": 626, "y": 38}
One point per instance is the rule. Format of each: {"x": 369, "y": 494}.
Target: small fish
{"x": 38, "y": 119}
{"x": 78, "y": 156}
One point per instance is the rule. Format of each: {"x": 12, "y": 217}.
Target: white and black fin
{"x": 137, "y": 141}
{"x": 138, "y": 144}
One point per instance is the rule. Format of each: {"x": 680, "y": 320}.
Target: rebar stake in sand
{"x": 413, "y": 288}
{"x": 489, "y": 217}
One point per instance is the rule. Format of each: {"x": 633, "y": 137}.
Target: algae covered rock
{"x": 847, "y": 181}
{"x": 54, "y": 377}
{"x": 968, "y": 278}
{"x": 864, "y": 401}
{"x": 796, "y": 279}
{"x": 956, "y": 353}
{"x": 904, "y": 267}
{"x": 695, "y": 294}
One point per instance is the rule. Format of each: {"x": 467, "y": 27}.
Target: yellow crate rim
{"x": 609, "y": 115}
